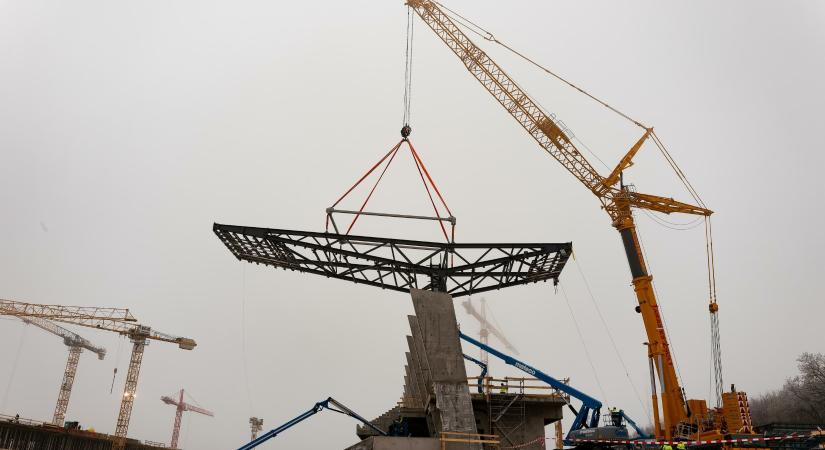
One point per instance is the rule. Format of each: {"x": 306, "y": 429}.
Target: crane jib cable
{"x": 487, "y": 35}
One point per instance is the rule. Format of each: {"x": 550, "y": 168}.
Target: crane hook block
{"x": 405, "y": 131}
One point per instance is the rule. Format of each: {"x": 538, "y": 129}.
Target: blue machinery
{"x": 587, "y": 417}
{"x": 320, "y": 406}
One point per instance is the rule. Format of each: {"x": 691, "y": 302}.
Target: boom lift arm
{"x": 318, "y": 407}
{"x": 586, "y": 417}
{"x": 616, "y": 200}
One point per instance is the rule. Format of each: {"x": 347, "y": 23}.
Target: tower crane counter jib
{"x": 618, "y": 201}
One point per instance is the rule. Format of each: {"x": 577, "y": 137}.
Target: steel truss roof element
{"x": 398, "y": 264}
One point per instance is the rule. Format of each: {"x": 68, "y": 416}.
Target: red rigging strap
{"x": 419, "y": 165}
{"x": 366, "y": 200}
{"x": 372, "y": 169}
{"x": 368, "y": 173}
{"x": 418, "y": 158}
{"x": 389, "y": 157}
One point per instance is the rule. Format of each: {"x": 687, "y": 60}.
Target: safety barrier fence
{"x": 648, "y": 442}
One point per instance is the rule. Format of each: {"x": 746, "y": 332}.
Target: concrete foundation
{"x": 436, "y": 397}
{"x": 30, "y": 436}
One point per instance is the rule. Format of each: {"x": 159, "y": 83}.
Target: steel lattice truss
{"x": 397, "y": 264}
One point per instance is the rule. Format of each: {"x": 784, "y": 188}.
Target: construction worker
{"x": 681, "y": 446}
{"x": 616, "y": 417}
{"x": 666, "y": 446}
{"x": 503, "y": 388}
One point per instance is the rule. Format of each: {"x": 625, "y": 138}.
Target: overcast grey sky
{"x": 127, "y": 128}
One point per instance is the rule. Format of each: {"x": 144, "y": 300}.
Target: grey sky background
{"x": 127, "y": 128}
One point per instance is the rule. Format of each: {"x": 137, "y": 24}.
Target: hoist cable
{"x": 243, "y": 339}
{"x": 408, "y": 54}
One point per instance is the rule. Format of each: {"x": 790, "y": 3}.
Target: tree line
{"x": 800, "y": 400}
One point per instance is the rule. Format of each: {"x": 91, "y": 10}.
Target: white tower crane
{"x": 76, "y": 344}
{"x": 487, "y": 328}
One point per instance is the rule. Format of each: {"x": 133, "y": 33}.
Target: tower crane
{"x": 486, "y": 329}
{"x": 76, "y": 344}
{"x": 117, "y": 320}
{"x": 182, "y": 406}
{"x": 680, "y": 417}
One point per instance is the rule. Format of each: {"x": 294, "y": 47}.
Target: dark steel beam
{"x": 398, "y": 264}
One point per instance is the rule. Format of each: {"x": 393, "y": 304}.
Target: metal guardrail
{"x": 516, "y": 385}
{"x": 468, "y": 438}
{"x": 22, "y": 420}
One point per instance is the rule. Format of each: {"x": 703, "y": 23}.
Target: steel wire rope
{"x": 243, "y": 338}
{"x": 487, "y": 35}
{"x": 408, "y": 54}
{"x": 471, "y": 27}
{"x": 612, "y": 341}
{"x": 673, "y": 226}
{"x": 117, "y": 362}
{"x": 584, "y": 345}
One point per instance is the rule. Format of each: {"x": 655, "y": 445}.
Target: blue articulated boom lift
{"x": 318, "y": 407}
{"x": 586, "y": 424}
{"x": 483, "y": 372}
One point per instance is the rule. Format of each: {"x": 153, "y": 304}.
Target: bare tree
{"x": 800, "y": 400}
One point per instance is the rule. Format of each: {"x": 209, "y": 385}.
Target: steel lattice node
{"x": 398, "y": 264}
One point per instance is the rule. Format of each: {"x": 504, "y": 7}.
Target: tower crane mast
{"x": 117, "y": 320}
{"x": 487, "y": 328}
{"x": 616, "y": 199}
{"x": 182, "y": 406}
{"x": 76, "y": 344}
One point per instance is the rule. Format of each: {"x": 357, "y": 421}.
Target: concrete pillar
{"x": 438, "y": 332}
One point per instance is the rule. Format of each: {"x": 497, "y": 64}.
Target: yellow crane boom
{"x": 616, "y": 199}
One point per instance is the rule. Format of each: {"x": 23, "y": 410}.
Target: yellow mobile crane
{"x": 680, "y": 418}
{"x": 117, "y": 320}
{"x": 76, "y": 344}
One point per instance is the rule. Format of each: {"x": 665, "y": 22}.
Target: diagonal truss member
{"x": 398, "y": 264}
